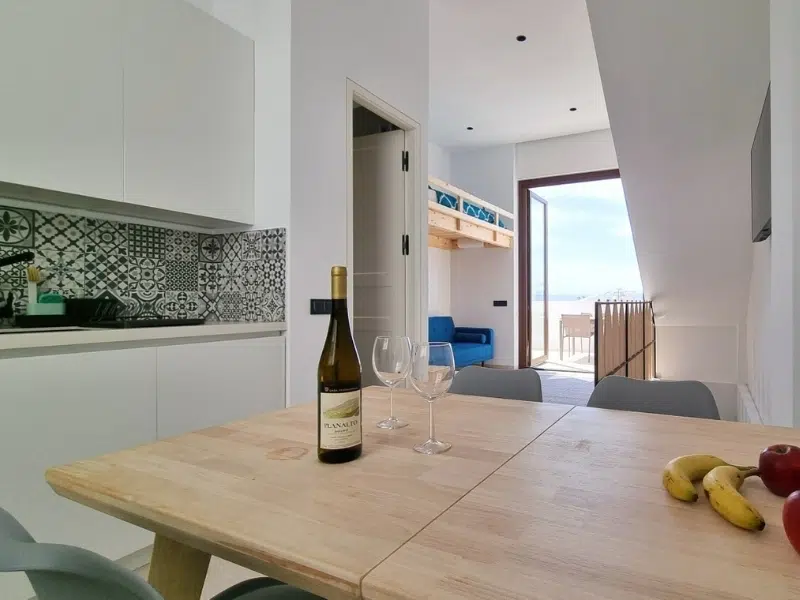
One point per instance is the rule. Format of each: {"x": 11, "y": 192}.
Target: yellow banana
{"x": 681, "y": 473}
{"x": 721, "y": 485}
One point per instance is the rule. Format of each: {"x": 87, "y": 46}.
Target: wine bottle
{"x": 339, "y": 379}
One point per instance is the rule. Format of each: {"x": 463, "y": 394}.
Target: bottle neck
{"x": 339, "y": 308}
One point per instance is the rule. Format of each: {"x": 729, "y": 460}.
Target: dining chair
{"x": 678, "y": 398}
{"x": 59, "y": 572}
{"x": 576, "y": 326}
{"x": 517, "y": 384}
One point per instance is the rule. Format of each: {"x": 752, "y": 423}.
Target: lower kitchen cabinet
{"x": 62, "y": 408}
{"x": 201, "y": 385}
{"x": 66, "y": 407}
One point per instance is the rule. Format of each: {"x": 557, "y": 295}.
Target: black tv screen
{"x": 761, "y": 176}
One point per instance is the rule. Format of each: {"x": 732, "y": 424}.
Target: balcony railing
{"x": 625, "y": 340}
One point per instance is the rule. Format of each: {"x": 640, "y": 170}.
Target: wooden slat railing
{"x": 625, "y": 340}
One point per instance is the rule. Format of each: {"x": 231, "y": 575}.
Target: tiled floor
{"x": 562, "y": 387}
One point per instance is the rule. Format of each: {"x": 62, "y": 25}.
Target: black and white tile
{"x": 16, "y": 227}
{"x": 210, "y": 248}
{"x": 109, "y": 237}
{"x": 63, "y": 272}
{"x": 105, "y": 272}
{"x": 154, "y": 271}
{"x": 55, "y": 231}
{"x": 181, "y": 275}
{"x": 146, "y": 276}
{"x": 184, "y": 305}
{"x": 147, "y": 242}
{"x": 181, "y": 245}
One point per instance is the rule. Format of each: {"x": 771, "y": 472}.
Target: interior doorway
{"x": 381, "y": 196}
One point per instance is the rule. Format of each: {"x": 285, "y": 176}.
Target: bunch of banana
{"x": 721, "y": 482}
{"x": 721, "y": 485}
{"x": 681, "y": 473}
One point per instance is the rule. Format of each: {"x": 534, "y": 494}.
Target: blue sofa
{"x": 471, "y": 345}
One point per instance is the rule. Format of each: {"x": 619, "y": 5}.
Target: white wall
{"x": 383, "y": 46}
{"x": 439, "y": 268}
{"x": 759, "y": 346}
{"x": 438, "y": 260}
{"x": 775, "y": 369}
{"x": 268, "y": 24}
{"x": 481, "y": 275}
{"x": 707, "y": 354}
{"x": 438, "y": 162}
{"x": 580, "y": 153}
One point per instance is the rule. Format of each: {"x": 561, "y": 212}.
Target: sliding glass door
{"x": 537, "y": 282}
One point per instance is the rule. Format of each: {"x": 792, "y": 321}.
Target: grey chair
{"x": 678, "y": 398}
{"x": 59, "y": 572}
{"x": 518, "y": 384}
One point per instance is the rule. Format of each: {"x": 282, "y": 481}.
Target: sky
{"x": 590, "y": 246}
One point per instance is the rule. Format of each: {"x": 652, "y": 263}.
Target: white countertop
{"x": 28, "y": 341}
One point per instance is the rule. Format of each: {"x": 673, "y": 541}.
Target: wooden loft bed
{"x": 447, "y": 225}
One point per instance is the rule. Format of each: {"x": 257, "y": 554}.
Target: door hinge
{"x": 405, "y": 160}
{"x": 405, "y": 244}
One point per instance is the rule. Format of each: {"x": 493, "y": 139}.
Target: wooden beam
{"x": 434, "y": 241}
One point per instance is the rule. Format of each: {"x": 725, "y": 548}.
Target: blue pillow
{"x": 446, "y": 200}
{"x": 470, "y": 338}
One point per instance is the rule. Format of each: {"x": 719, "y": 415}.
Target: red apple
{"x": 779, "y": 467}
{"x": 791, "y": 519}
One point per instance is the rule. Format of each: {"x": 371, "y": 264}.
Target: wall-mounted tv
{"x": 761, "y": 176}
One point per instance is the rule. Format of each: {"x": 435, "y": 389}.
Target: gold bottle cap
{"x": 338, "y": 282}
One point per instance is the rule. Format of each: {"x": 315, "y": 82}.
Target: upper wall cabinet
{"x": 189, "y": 112}
{"x": 61, "y": 96}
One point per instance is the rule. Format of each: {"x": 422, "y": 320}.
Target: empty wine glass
{"x": 432, "y": 370}
{"x": 391, "y": 361}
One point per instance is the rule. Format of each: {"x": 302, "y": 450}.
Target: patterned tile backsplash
{"x": 154, "y": 271}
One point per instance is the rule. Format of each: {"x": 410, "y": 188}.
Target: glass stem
{"x": 391, "y": 402}
{"x": 433, "y": 429}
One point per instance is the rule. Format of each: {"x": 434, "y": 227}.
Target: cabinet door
{"x": 61, "y": 95}
{"x": 58, "y": 409}
{"x": 189, "y": 112}
{"x": 202, "y": 385}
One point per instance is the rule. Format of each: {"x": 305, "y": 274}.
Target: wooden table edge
{"x": 316, "y": 581}
{"x": 459, "y": 499}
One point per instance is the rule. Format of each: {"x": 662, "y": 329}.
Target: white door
{"x": 379, "y": 272}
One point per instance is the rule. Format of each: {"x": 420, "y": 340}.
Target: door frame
{"x": 415, "y": 226}
{"x": 523, "y": 242}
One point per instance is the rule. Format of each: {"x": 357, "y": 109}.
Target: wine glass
{"x": 432, "y": 370}
{"x": 391, "y": 361}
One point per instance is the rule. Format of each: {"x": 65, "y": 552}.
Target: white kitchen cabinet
{"x": 61, "y": 408}
{"x": 61, "y": 96}
{"x": 201, "y": 385}
{"x": 189, "y": 112}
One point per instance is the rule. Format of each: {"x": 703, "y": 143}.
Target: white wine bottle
{"x": 339, "y": 379}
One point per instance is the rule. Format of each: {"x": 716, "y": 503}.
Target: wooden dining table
{"x": 539, "y": 501}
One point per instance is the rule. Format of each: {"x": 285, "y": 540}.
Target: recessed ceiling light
{"x": 470, "y": 128}
{"x": 573, "y": 109}
{"x": 522, "y": 38}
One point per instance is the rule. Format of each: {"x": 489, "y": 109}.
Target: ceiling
{"x": 683, "y": 117}
{"x": 511, "y": 91}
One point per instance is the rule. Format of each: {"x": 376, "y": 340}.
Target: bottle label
{"x": 340, "y": 420}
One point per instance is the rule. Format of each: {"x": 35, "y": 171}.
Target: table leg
{"x": 178, "y": 572}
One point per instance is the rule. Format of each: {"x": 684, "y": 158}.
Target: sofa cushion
{"x": 469, "y": 338}
{"x": 468, "y": 354}
{"x": 440, "y": 329}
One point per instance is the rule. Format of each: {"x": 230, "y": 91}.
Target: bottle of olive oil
{"x": 339, "y": 379}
